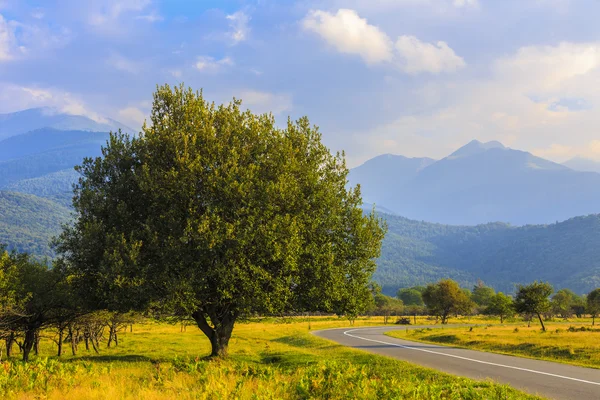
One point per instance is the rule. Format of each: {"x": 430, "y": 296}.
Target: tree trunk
{"x": 219, "y": 333}
{"x": 36, "y": 344}
{"x": 10, "y": 340}
{"x": 593, "y": 319}
{"x": 28, "y": 343}
{"x": 541, "y": 322}
{"x": 501, "y": 319}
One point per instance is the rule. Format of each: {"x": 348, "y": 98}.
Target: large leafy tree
{"x": 216, "y": 213}
{"x": 411, "y": 296}
{"x": 445, "y": 298}
{"x": 482, "y": 294}
{"x": 534, "y": 299}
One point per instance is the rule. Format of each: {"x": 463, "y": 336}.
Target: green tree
{"x": 445, "y": 298}
{"x": 534, "y": 299}
{"x": 563, "y": 302}
{"x": 387, "y": 306}
{"x": 593, "y": 304}
{"x": 500, "y": 305}
{"x": 411, "y": 296}
{"x": 482, "y": 295}
{"x": 215, "y": 213}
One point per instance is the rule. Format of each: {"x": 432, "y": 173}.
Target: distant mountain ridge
{"x": 583, "y": 164}
{"x": 566, "y": 254}
{"x": 478, "y": 183}
{"x": 12, "y": 124}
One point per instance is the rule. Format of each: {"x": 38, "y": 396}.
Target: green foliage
{"x": 445, "y": 298}
{"x": 416, "y": 252}
{"x": 564, "y": 302}
{"x": 593, "y": 303}
{"x": 387, "y": 306}
{"x": 534, "y": 299}
{"x": 411, "y": 296}
{"x": 482, "y": 295}
{"x": 500, "y": 305}
{"x": 215, "y": 213}
{"x": 28, "y": 223}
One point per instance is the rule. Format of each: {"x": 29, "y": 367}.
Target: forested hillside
{"x": 28, "y": 223}
{"x": 566, "y": 254}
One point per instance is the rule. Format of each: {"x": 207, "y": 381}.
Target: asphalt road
{"x": 544, "y": 378}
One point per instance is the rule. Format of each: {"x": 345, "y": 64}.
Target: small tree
{"x": 500, "y": 305}
{"x": 482, "y": 295}
{"x": 445, "y": 298}
{"x": 563, "y": 302}
{"x": 534, "y": 299}
{"x": 414, "y": 310}
{"x": 593, "y": 304}
{"x": 387, "y": 306}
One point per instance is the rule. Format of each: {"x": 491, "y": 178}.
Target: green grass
{"x": 570, "y": 342}
{"x": 277, "y": 359}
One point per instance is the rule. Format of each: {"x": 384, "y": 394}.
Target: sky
{"x": 409, "y": 77}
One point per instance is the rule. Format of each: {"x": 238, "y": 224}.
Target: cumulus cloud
{"x": 210, "y": 64}
{"x": 348, "y": 33}
{"x": 417, "y": 56}
{"x": 239, "y": 24}
{"x": 261, "y": 102}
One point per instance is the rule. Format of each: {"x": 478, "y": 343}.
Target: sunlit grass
{"x": 573, "y": 342}
{"x": 272, "y": 359}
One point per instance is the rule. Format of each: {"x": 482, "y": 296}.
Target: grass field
{"x": 273, "y": 359}
{"x": 572, "y": 342}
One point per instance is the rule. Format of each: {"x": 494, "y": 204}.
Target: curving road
{"x": 544, "y": 378}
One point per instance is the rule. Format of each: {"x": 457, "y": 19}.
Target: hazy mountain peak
{"x": 476, "y": 147}
{"x": 12, "y": 124}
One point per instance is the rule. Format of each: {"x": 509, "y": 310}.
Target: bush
{"x": 403, "y": 321}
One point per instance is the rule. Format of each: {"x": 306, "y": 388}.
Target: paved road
{"x": 544, "y": 378}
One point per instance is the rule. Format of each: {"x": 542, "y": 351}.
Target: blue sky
{"x": 410, "y": 77}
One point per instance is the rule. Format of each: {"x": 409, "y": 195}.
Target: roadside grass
{"x": 571, "y": 342}
{"x": 271, "y": 359}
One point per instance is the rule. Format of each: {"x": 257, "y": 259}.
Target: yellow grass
{"x": 274, "y": 359}
{"x": 574, "y": 342}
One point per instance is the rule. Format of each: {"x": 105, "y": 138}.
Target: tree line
{"x": 535, "y": 300}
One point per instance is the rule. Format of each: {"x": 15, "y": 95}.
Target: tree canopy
{"x": 216, "y": 213}
{"x": 445, "y": 298}
{"x": 534, "y": 299}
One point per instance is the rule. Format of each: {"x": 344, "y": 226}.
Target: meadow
{"x": 574, "y": 342}
{"x": 269, "y": 359}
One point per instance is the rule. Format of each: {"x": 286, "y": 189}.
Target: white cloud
{"x": 262, "y": 102}
{"x": 15, "y": 98}
{"x": 7, "y": 40}
{"x": 132, "y": 116}
{"x": 417, "y": 56}
{"x": 351, "y": 34}
{"x": 238, "y": 22}
{"x": 209, "y": 64}
{"x": 563, "y": 153}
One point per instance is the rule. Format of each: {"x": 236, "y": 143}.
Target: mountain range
{"x": 478, "y": 183}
